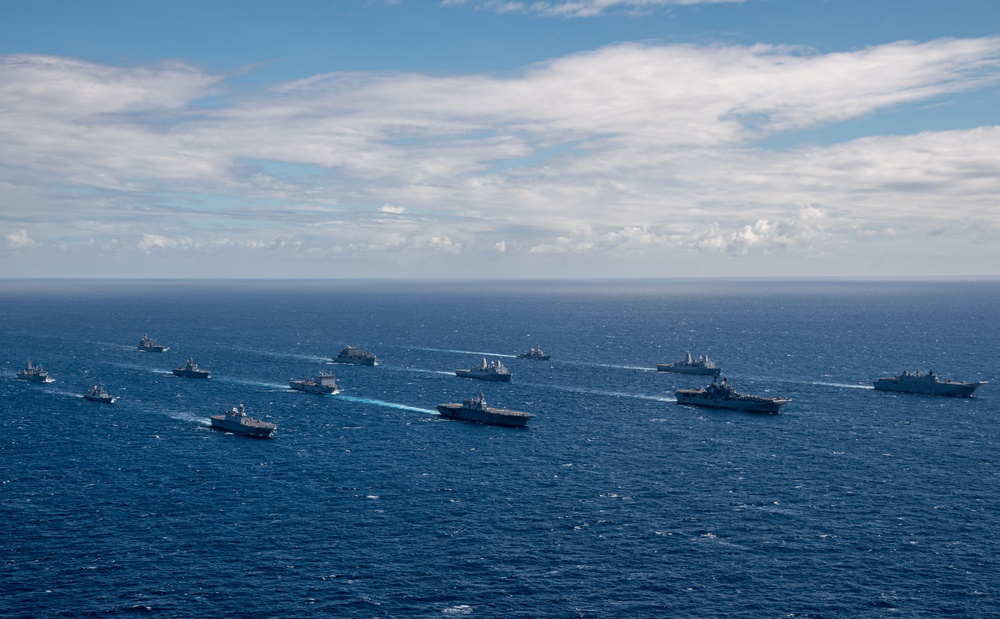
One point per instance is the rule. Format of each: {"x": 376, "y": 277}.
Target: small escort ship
{"x": 98, "y": 393}
{"x": 477, "y": 411}
{"x": 191, "y": 370}
{"x": 238, "y": 422}
{"x": 722, "y": 395}
{"x": 147, "y": 344}
{"x": 690, "y": 365}
{"x": 535, "y": 354}
{"x": 355, "y": 356}
{"x": 34, "y": 374}
{"x": 492, "y": 370}
{"x": 928, "y": 384}
{"x": 322, "y": 384}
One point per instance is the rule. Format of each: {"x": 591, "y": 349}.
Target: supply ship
{"x": 928, "y": 384}
{"x": 322, "y": 384}
{"x": 722, "y": 395}
{"x": 476, "y": 410}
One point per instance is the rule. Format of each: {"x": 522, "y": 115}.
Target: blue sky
{"x": 592, "y": 138}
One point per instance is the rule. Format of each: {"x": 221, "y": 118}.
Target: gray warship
{"x": 476, "y": 410}
{"x": 535, "y": 354}
{"x": 492, "y": 370}
{"x": 98, "y": 393}
{"x": 149, "y": 345}
{"x": 355, "y": 356}
{"x": 928, "y": 384}
{"x": 690, "y": 365}
{"x": 722, "y": 395}
{"x": 322, "y": 384}
{"x": 34, "y": 374}
{"x": 191, "y": 370}
{"x": 237, "y": 421}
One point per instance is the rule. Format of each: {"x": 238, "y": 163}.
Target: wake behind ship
{"x": 476, "y": 410}
{"x": 722, "y": 395}
{"x": 928, "y": 384}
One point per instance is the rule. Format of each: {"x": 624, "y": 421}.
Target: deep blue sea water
{"x": 613, "y": 502}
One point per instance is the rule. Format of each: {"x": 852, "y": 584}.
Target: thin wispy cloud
{"x": 579, "y": 8}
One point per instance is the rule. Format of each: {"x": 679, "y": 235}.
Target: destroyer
{"x": 323, "y": 383}
{"x": 34, "y": 374}
{"x": 98, "y": 393}
{"x": 238, "y": 422}
{"x": 355, "y": 356}
{"x": 689, "y": 365}
{"x": 190, "y": 370}
{"x": 492, "y": 370}
{"x": 149, "y": 345}
{"x": 535, "y": 354}
{"x": 476, "y": 410}
{"x": 929, "y": 384}
{"x": 722, "y": 395}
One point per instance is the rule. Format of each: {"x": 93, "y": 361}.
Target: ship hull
{"x": 499, "y": 378}
{"x": 370, "y": 362}
{"x": 154, "y": 348}
{"x": 490, "y": 416}
{"x": 700, "y": 398}
{"x": 944, "y": 388}
{"x": 192, "y": 374}
{"x": 36, "y": 379}
{"x": 219, "y": 422}
{"x": 535, "y": 357}
{"x": 99, "y": 399}
{"x": 679, "y": 369}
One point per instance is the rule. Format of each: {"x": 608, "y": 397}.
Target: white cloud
{"x": 624, "y": 151}
{"x": 19, "y": 239}
{"x": 579, "y": 8}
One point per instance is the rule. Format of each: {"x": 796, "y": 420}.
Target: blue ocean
{"x": 614, "y": 501}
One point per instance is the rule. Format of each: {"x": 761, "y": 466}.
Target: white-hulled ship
{"x": 535, "y": 354}
{"x": 322, "y": 384}
{"x": 928, "y": 384}
{"x": 237, "y": 421}
{"x": 191, "y": 370}
{"x": 690, "y": 365}
{"x": 476, "y": 410}
{"x": 355, "y": 356}
{"x": 487, "y": 370}
{"x": 34, "y": 374}
{"x": 98, "y": 393}
{"x": 149, "y": 345}
{"x": 722, "y": 395}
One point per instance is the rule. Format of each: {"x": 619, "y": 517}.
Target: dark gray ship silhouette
{"x": 322, "y": 384}
{"x": 34, "y": 374}
{"x": 487, "y": 370}
{"x": 355, "y": 356}
{"x": 928, "y": 384}
{"x": 722, "y": 395}
{"x": 149, "y": 345}
{"x": 191, "y": 370}
{"x": 476, "y": 410}
{"x": 690, "y": 365}
{"x": 237, "y": 421}
{"x": 98, "y": 393}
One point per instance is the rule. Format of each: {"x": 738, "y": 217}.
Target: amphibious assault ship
{"x": 191, "y": 370}
{"x": 929, "y": 384}
{"x": 476, "y": 410}
{"x": 355, "y": 356}
{"x": 34, "y": 374}
{"x": 238, "y": 422}
{"x": 322, "y": 384}
{"x": 690, "y": 365}
{"x": 722, "y": 395}
{"x": 492, "y": 370}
